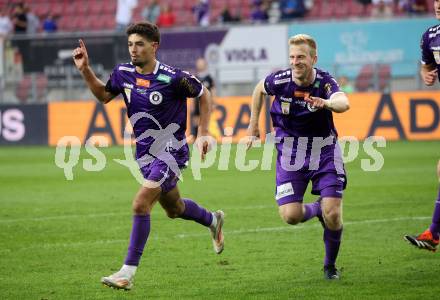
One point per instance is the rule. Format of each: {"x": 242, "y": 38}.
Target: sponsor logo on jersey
{"x": 436, "y": 56}
{"x": 167, "y": 69}
{"x": 285, "y": 108}
{"x": 156, "y": 97}
{"x": 128, "y": 94}
{"x": 141, "y": 91}
{"x": 142, "y": 82}
{"x": 301, "y": 94}
{"x": 283, "y": 74}
{"x": 281, "y": 81}
{"x": 284, "y": 190}
{"x": 164, "y": 78}
{"x": 317, "y": 83}
{"x": 286, "y": 99}
{"x": 127, "y": 85}
{"x": 122, "y": 68}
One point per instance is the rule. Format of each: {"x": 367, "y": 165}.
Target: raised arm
{"x": 81, "y": 59}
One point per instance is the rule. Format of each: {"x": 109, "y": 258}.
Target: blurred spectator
{"x": 19, "y": 19}
{"x": 414, "y": 7}
{"x": 259, "y": 13}
{"x": 33, "y": 22}
{"x": 151, "y": 12}
{"x": 227, "y": 17}
{"x": 345, "y": 85}
{"x": 202, "y": 74}
{"x": 365, "y": 4}
{"x": 201, "y": 13}
{"x": 382, "y": 8}
{"x": 5, "y": 23}
{"x": 49, "y": 24}
{"x": 124, "y": 13}
{"x": 166, "y": 17}
{"x": 291, "y": 9}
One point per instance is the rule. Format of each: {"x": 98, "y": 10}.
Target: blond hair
{"x": 301, "y": 39}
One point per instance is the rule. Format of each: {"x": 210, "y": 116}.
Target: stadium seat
{"x": 96, "y": 7}
{"x": 57, "y": 9}
{"x": 384, "y": 74}
{"x": 364, "y": 80}
{"x": 41, "y": 9}
{"x": 82, "y": 8}
{"x": 41, "y": 86}
{"x": 110, "y": 7}
{"x": 22, "y": 91}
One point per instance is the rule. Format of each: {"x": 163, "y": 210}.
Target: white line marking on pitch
{"x": 101, "y": 215}
{"x": 227, "y": 233}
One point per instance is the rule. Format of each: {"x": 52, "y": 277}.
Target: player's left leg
{"x": 187, "y": 209}
{"x": 332, "y": 213}
{"x": 430, "y": 238}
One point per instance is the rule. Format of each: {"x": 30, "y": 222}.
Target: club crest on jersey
{"x": 311, "y": 108}
{"x": 142, "y": 82}
{"x": 328, "y": 89}
{"x": 156, "y": 97}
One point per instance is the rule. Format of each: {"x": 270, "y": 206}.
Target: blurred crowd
{"x": 19, "y": 18}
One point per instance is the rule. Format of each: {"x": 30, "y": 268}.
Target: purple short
{"x": 160, "y": 171}
{"x": 328, "y": 180}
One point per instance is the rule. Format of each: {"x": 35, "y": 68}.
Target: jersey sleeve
{"x": 269, "y": 85}
{"x": 113, "y": 83}
{"x": 330, "y": 86}
{"x": 427, "y": 56}
{"x": 188, "y": 85}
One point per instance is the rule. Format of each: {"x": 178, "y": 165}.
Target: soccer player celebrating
{"x": 301, "y": 112}
{"x": 429, "y": 71}
{"x": 155, "y": 95}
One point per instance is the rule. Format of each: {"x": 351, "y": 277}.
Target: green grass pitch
{"x": 58, "y": 237}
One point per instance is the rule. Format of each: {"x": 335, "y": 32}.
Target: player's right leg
{"x": 187, "y": 209}
{"x": 143, "y": 202}
{"x": 430, "y": 238}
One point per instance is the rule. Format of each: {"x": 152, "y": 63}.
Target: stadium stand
{"x": 99, "y": 14}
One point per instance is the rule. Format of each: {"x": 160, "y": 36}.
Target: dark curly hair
{"x": 145, "y": 29}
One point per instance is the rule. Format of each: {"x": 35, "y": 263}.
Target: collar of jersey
{"x": 156, "y": 68}
{"x": 315, "y": 74}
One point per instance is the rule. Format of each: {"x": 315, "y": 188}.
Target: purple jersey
{"x": 162, "y": 95}
{"x": 291, "y": 115}
{"x": 430, "y": 46}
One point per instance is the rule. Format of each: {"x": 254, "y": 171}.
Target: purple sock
{"x": 435, "y": 225}
{"x": 196, "y": 213}
{"x": 311, "y": 210}
{"x": 332, "y": 240}
{"x": 138, "y": 239}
